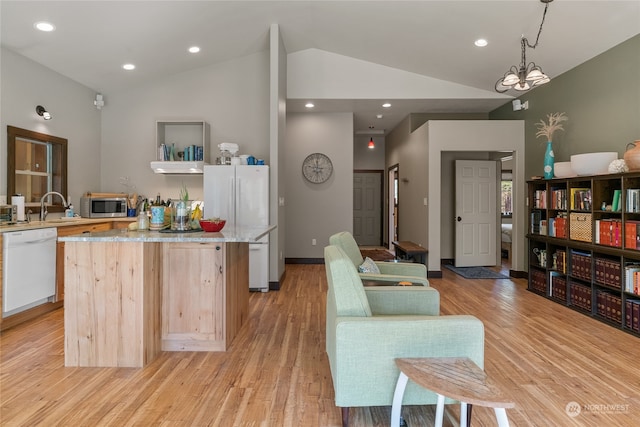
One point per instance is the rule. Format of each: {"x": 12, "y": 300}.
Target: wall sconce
{"x": 43, "y": 113}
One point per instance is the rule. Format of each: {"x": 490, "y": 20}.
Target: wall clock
{"x": 317, "y": 168}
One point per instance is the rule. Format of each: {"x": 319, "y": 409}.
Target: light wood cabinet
{"x": 69, "y": 231}
{"x": 63, "y": 230}
{"x": 203, "y": 295}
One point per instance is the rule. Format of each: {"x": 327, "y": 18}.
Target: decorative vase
{"x": 548, "y": 161}
{"x": 632, "y": 156}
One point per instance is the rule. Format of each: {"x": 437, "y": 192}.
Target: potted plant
{"x": 181, "y": 211}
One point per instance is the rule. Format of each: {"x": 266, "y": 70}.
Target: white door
{"x": 367, "y": 208}
{"x": 476, "y": 212}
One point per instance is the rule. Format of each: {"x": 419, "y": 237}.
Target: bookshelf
{"x": 584, "y": 245}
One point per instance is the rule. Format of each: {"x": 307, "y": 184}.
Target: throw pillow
{"x": 368, "y": 266}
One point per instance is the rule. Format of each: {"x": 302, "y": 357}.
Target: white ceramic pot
{"x": 592, "y": 163}
{"x": 563, "y": 170}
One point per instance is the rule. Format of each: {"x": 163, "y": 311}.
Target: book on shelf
{"x": 558, "y": 226}
{"x": 608, "y": 232}
{"x": 581, "y": 199}
{"x": 632, "y": 234}
{"x": 632, "y": 314}
{"x": 632, "y": 278}
{"x": 540, "y": 199}
{"x": 535, "y": 222}
{"x": 633, "y": 200}
{"x": 543, "y": 227}
{"x": 615, "y": 203}
{"x": 559, "y": 198}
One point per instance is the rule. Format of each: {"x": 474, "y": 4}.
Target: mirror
{"x": 36, "y": 164}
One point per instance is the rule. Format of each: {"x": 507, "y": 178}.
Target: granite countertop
{"x": 228, "y": 234}
{"x": 60, "y": 222}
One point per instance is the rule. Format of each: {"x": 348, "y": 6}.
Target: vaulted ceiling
{"x": 93, "y": 39}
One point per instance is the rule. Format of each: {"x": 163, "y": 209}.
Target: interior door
{"x": 476, "y": 213}
{"x": 367, "y": 208}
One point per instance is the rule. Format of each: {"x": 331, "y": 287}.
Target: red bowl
{"x": 212, "y": 226}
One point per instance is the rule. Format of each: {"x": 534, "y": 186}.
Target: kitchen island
{"x": 131, "y": 294}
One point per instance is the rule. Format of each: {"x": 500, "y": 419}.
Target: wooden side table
{"x": 454, "y": 377}
{"x": 405, "y": 248}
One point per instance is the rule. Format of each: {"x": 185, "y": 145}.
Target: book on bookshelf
{"x": 615, "y": 203}
{"x": 535, "y": 222}
{"x": 632, "y": 234}
{"x": 581, "y": 199}
{"x": 633, "y": 200}
{"x": 608, "y": 232}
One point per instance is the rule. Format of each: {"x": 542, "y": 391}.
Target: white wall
{"x": 25, "y": 84}
{"x": 316, "y": 211}
{"x": 233, "y": 97}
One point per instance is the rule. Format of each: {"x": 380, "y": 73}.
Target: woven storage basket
{"x": 580, "y": 227}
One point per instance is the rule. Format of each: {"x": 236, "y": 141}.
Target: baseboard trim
{"x": 434, "y": 274}
{"x": 518, "y": 274}
{"x": 304, "y": 260}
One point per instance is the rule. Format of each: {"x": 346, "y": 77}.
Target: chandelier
{"x": 525, "y": 76}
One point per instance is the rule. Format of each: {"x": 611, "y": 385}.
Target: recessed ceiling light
{"x": 129, "y": 67}
{"x": 379, "y": 116}
{"x": 44, "y": 26}
{"x": 386, "y": 105}
{"x": 309, "y": 105}
{"x": 194, "y": 49}
{"x": 481, "y": 42}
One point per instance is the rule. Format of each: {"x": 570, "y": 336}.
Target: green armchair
{"x": 368, "y": 327}
{"x": 389, "y": 271}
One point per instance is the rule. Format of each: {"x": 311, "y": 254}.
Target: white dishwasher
{"x": 28, "y": 269}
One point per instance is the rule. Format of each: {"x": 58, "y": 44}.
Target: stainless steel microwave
{"x": 103, "y": 207}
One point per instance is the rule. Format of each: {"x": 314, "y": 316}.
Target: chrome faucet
{"x": 43, "y": 208}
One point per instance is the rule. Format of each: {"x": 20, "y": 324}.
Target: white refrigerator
{"x": 240, "y": 195}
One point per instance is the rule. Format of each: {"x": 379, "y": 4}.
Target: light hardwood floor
{"x": 276, "y": 373}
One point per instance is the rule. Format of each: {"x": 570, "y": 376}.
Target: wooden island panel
{"x": 205, "y": 297}
{"x": 113, "y": 303}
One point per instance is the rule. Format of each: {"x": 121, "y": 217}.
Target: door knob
{"x": 459, "y": 219}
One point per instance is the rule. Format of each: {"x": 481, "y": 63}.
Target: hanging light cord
{"x": 544, "y": 14}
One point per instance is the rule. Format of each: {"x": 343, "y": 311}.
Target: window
{"x": 506, "y": 192}
{"x": 36, "y": 164}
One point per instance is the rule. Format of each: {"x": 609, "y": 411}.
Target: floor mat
{"x": 475, "y": 272}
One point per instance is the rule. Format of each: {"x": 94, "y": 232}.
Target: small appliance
{"x": 8, "y": 214}
{"x": 103, "y": 207}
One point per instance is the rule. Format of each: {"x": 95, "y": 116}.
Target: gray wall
{"x": 232, "y": 97}
{"x": 26, "y": 84}
{"x": 278, "y": 129}
{"x": 365, "y": 158}
{"x": 601, "y": 98}
{"x": 316, "y": 211}
{"x": 410, "y": 152}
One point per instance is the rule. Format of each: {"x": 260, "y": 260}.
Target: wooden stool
{"x": 454, "y": 377}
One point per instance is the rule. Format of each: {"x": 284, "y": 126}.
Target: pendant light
{"x": 371, "y": 145}
{"x": 525, "y": 76}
